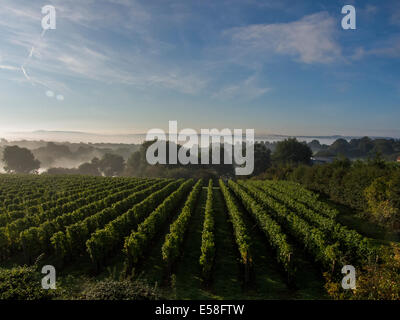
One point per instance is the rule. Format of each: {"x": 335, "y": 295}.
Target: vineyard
{"x": 245, "y": 239}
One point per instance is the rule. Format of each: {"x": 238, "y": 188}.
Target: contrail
{"x": 33, "y": 81}
{"x": 29, "y": 58}
{"x": 31, "y": 53}
{"x": 4, "y": 67}
{"x": 26, "y": 75}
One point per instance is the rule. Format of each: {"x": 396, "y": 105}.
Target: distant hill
{"x": 75, "y": 137}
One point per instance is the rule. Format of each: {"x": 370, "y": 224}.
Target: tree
{"x": 262, "y": 158}
{"x": 222, "y": 169}
{"x": 19, "y": 160}
{"x": 340, "y": 147}
{"x": 292, "y": 151}
{"x": 91, "y": 168}
{"x": 133, "y": 165}
{"x": 365, "y": 145}
{"x": 315, "y": 145}
{"x": 383, "y": 199}
{"x": 383, "y": 146}
{"x": 111, "y": 165}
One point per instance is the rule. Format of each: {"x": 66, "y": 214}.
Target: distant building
{"x": 398, "y": 159}
{"x": 321, "y": 160}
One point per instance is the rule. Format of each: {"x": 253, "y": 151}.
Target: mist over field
{"x": 138, "y": 138}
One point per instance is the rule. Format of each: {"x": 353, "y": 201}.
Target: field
{"x": 192, "y": 239}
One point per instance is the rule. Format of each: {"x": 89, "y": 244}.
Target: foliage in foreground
{"x": 376, "y": 281}
{"x": 110, "y": 289}
{"x": 285, "y": 211}
{"x": 23, "y": 283}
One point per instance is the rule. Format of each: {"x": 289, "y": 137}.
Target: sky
{"x": 279, "y": 67}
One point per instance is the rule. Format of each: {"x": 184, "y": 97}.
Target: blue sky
{"x": 121, "y": 66}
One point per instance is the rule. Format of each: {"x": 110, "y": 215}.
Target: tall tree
{"x": 111, "y": 165}
{"x": 262, "y": 158}
{"x": 292, "y": 151}
{"x": 19, "y": 160}
{"x": 91, "y": 168}
{"x": 134, "y": 164}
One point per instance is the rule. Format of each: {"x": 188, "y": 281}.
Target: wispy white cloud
{"x": 21, "y": 11}
{"x": 67, "y": 51}
{"x": 189, "y": 84}
{"x": 389, "y": 48}
{"x": 308, "y": 40}
{"x": 77, "y": 50}
{"x": 247, "y": 89}
{"x": 370, "y": 10}
{"x": 391, "y": 51}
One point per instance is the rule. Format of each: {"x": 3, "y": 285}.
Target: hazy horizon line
{"x": 93, "y": 133}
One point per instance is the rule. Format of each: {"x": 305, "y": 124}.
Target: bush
{"x": 383, "y": 202}
{"x": 376, "y": 281}
{"x": 23, "y": 283}
{"x": 110, "y": 289}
